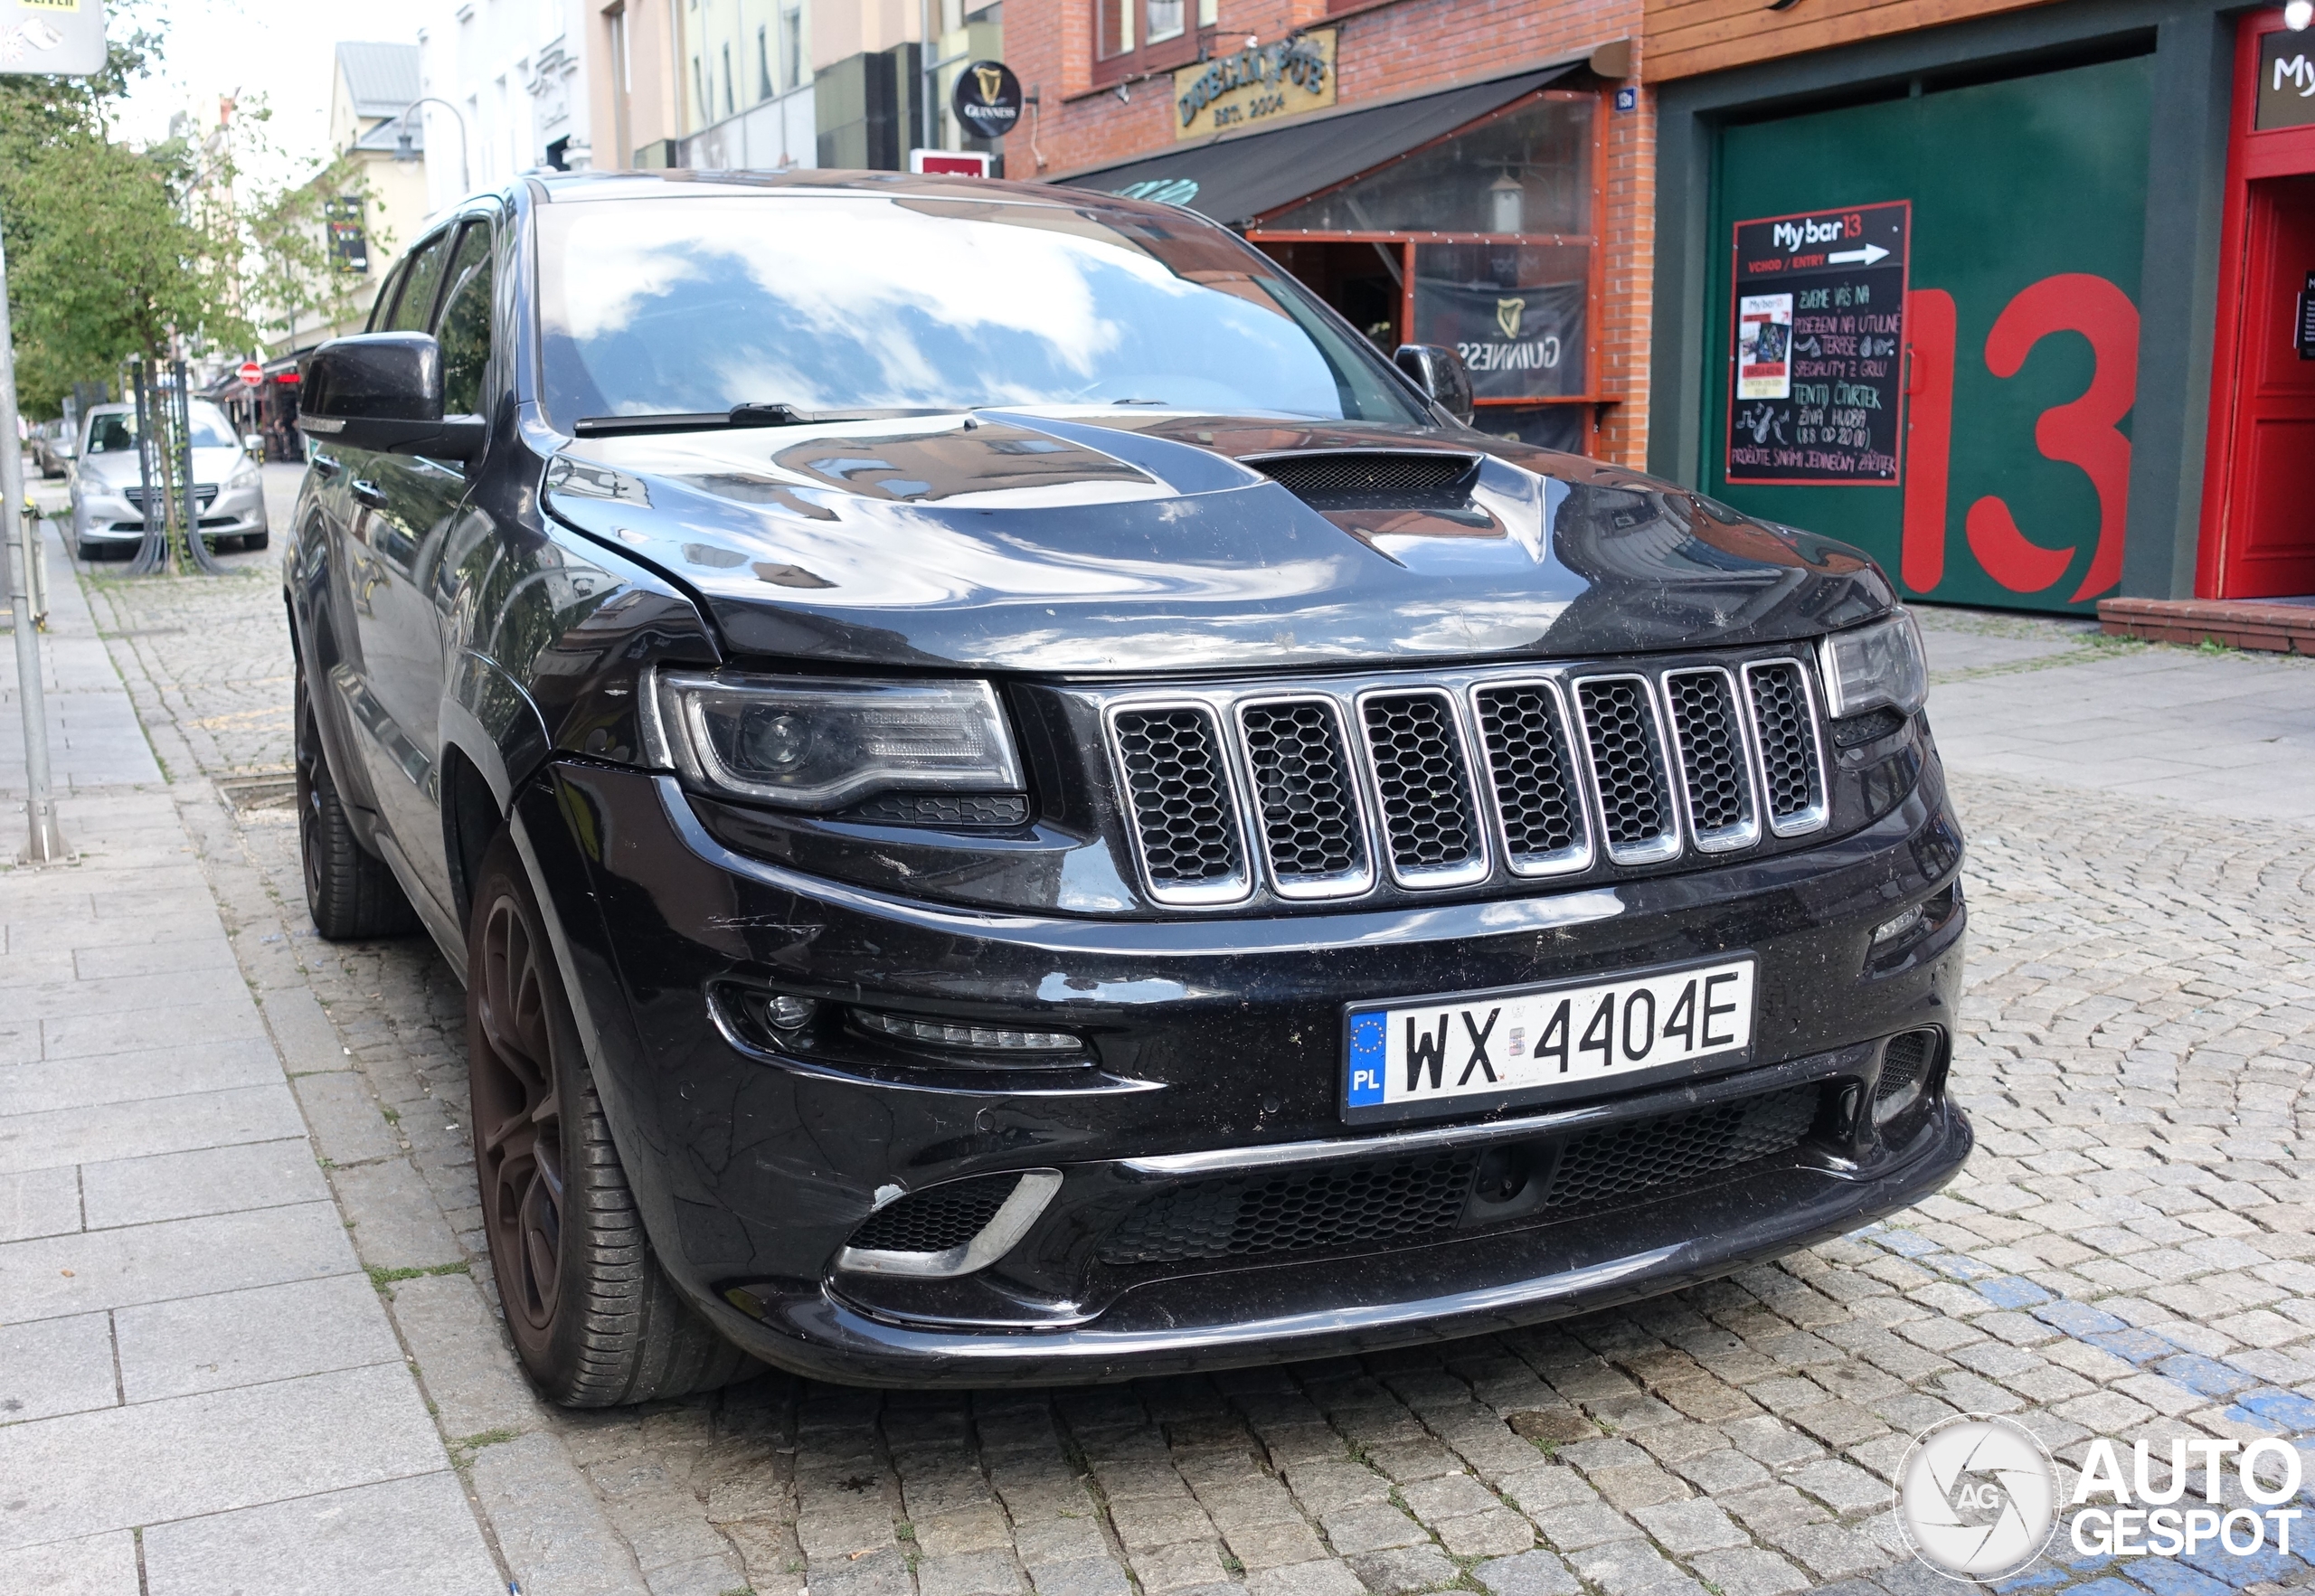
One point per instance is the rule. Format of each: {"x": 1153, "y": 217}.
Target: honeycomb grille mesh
{"x": 1902, "y": 1063}
{"x": 1788, "y": 741}
{"x": 1182, "y": 811}
{"x": 1328, "y": 475}
{"x": 1336, "y": 1207}
{"x": 1712, "y": 752}
{"x": 1302, "y": 788}
{"x": 943, "y": 808}
{"x": 1628, "y": 760}
{"x": 938, "y": 1218}
{"x": 1618, "y": 1159}
{"x": 1418, "y": 759}
{"x": 1527, "y": 761}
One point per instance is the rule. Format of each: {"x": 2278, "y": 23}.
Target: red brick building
{"x": 1464, "y": 172}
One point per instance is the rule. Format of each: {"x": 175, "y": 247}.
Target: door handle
{"x": 366, "y": 492}
{"x": 322, "y": 465}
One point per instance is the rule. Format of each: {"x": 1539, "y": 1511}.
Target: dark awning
{"x": 1237, "y": 177}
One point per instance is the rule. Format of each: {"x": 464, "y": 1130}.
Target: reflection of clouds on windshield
{"x": 836, "y": 303}
{"x": 621, "y": 271}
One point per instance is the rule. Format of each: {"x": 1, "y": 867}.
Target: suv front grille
{"x": 1321, "y": 789}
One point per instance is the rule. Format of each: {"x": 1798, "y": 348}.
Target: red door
{"x": 2259, "y": 470}
{"x": 2268, "y": 548}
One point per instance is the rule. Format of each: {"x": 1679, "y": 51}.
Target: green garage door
{"x": 2007, "y": 408}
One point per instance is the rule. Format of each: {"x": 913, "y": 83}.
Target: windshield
{"x": 861, "y": 302}
{"x": 115, "y": 432}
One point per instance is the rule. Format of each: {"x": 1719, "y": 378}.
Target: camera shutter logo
{"x": 1976, "y": 1495}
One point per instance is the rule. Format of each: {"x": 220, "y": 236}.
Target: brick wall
{"x": 1386, "y": 51}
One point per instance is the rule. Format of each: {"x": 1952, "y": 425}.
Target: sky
{"x": 281, "y": 49}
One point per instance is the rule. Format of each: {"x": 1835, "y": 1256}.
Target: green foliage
{"x": 116, "y": 252}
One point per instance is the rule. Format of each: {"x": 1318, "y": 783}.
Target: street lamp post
{"x": 404, "y": 152}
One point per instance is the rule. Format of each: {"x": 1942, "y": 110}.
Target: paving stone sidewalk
{"x": 2131, "y": 1254}
{"x": 200, "y": 1392}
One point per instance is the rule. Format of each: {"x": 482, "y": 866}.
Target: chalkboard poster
{"x": 1817, "y": 347}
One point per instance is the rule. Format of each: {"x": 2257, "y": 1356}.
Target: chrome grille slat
{"x": 1415, "y": 752}
{"x": 1306, "y": 807}
{"x": 1785, "y": 731}
{"x": 1184, "y": 805}
{"x": 1530, "y": 758}
{"x": 1624, "y": 737}
{"x": 1716, "y": 781}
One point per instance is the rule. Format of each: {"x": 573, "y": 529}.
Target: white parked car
{"x": 107, "y": 501}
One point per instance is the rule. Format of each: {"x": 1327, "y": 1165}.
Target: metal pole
{"x": 196, "y": 547}
{"x": 46, "y": 844}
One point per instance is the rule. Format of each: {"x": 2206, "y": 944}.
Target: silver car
{"x": 109, "y": 501}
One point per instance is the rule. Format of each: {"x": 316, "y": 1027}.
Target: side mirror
{"x": 255, "y": 443}
{"x": 68, "y": 449}
{"x": 1440, "y": 372}
{"x": 382, "y": 392}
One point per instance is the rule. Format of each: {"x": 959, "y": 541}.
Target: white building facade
{"x": 506, "y": 80}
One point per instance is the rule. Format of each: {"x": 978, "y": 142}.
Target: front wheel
{"x": 594, "y": 1321}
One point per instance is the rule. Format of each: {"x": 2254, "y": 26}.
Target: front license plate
{"x": 1532, "y": 1044}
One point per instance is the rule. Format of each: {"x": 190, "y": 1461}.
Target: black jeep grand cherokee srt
{"x": 1016, "y": 804}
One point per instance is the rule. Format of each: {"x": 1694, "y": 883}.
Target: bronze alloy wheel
{"x": 517, "y": 1122}
{"x": 595, "y": 1320}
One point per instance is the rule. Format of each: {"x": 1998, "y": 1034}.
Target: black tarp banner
{"x": 1519, "y": 343}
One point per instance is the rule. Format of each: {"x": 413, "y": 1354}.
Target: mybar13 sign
{"x": 1232, "y": 91}
{"x": 63, "y": 36}
{"x": 2286, "y": 81}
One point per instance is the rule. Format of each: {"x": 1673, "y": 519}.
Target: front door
{"x": 2267, "y": 539}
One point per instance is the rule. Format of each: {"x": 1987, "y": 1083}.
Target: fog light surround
{"x": 997, "y": 1039}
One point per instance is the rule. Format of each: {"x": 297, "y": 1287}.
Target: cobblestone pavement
{"x": 2131, "y": 1254}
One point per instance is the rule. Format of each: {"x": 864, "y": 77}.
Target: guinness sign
{"x": 987, "y": 98}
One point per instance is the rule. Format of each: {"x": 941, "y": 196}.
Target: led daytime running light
{"x": 979, "y": 1038}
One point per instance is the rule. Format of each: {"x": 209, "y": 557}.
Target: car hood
{"x": 1094, "y": 543}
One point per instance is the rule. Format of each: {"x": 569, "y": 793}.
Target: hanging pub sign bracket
{"x": 1816, "y": 340}
{"x": 2302, "y": 325}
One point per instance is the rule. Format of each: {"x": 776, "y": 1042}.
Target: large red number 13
{"x": 2081, "y": 432}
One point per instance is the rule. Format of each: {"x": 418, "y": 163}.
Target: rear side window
{"x": 420, "y": 279}
{"x": 464, "y": 329}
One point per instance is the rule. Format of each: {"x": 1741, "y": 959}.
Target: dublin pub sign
{"x": 1237, "y": 90}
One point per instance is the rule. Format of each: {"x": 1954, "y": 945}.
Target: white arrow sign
{"x": 1864, "y": 256}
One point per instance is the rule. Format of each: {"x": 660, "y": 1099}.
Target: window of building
{"x": 730, "y": 105}
{"x": 791, "y": 47}
{"x": 1135, "y": 36}
{"x": 764, "y": 89}
{"x": 1484, "y": 241}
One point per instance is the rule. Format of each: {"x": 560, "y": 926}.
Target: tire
{"x": 350, "y": 892}
{"x": 256, "y": 540}
{"x": 595, "y": 1321}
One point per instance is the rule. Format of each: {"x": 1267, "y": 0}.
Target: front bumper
{"x": 1218, "y": 1043}
{"x": 233, "y": 513}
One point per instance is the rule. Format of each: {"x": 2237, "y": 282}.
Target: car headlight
{"x": 244, "y": 476}
{"x": 817, "y": 745}
{"x": 1874, "y": 666}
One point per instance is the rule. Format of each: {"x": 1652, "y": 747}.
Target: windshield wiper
{"x": 738, "y": 415}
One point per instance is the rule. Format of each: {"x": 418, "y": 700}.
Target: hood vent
{"x": 1373, "y": 478}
